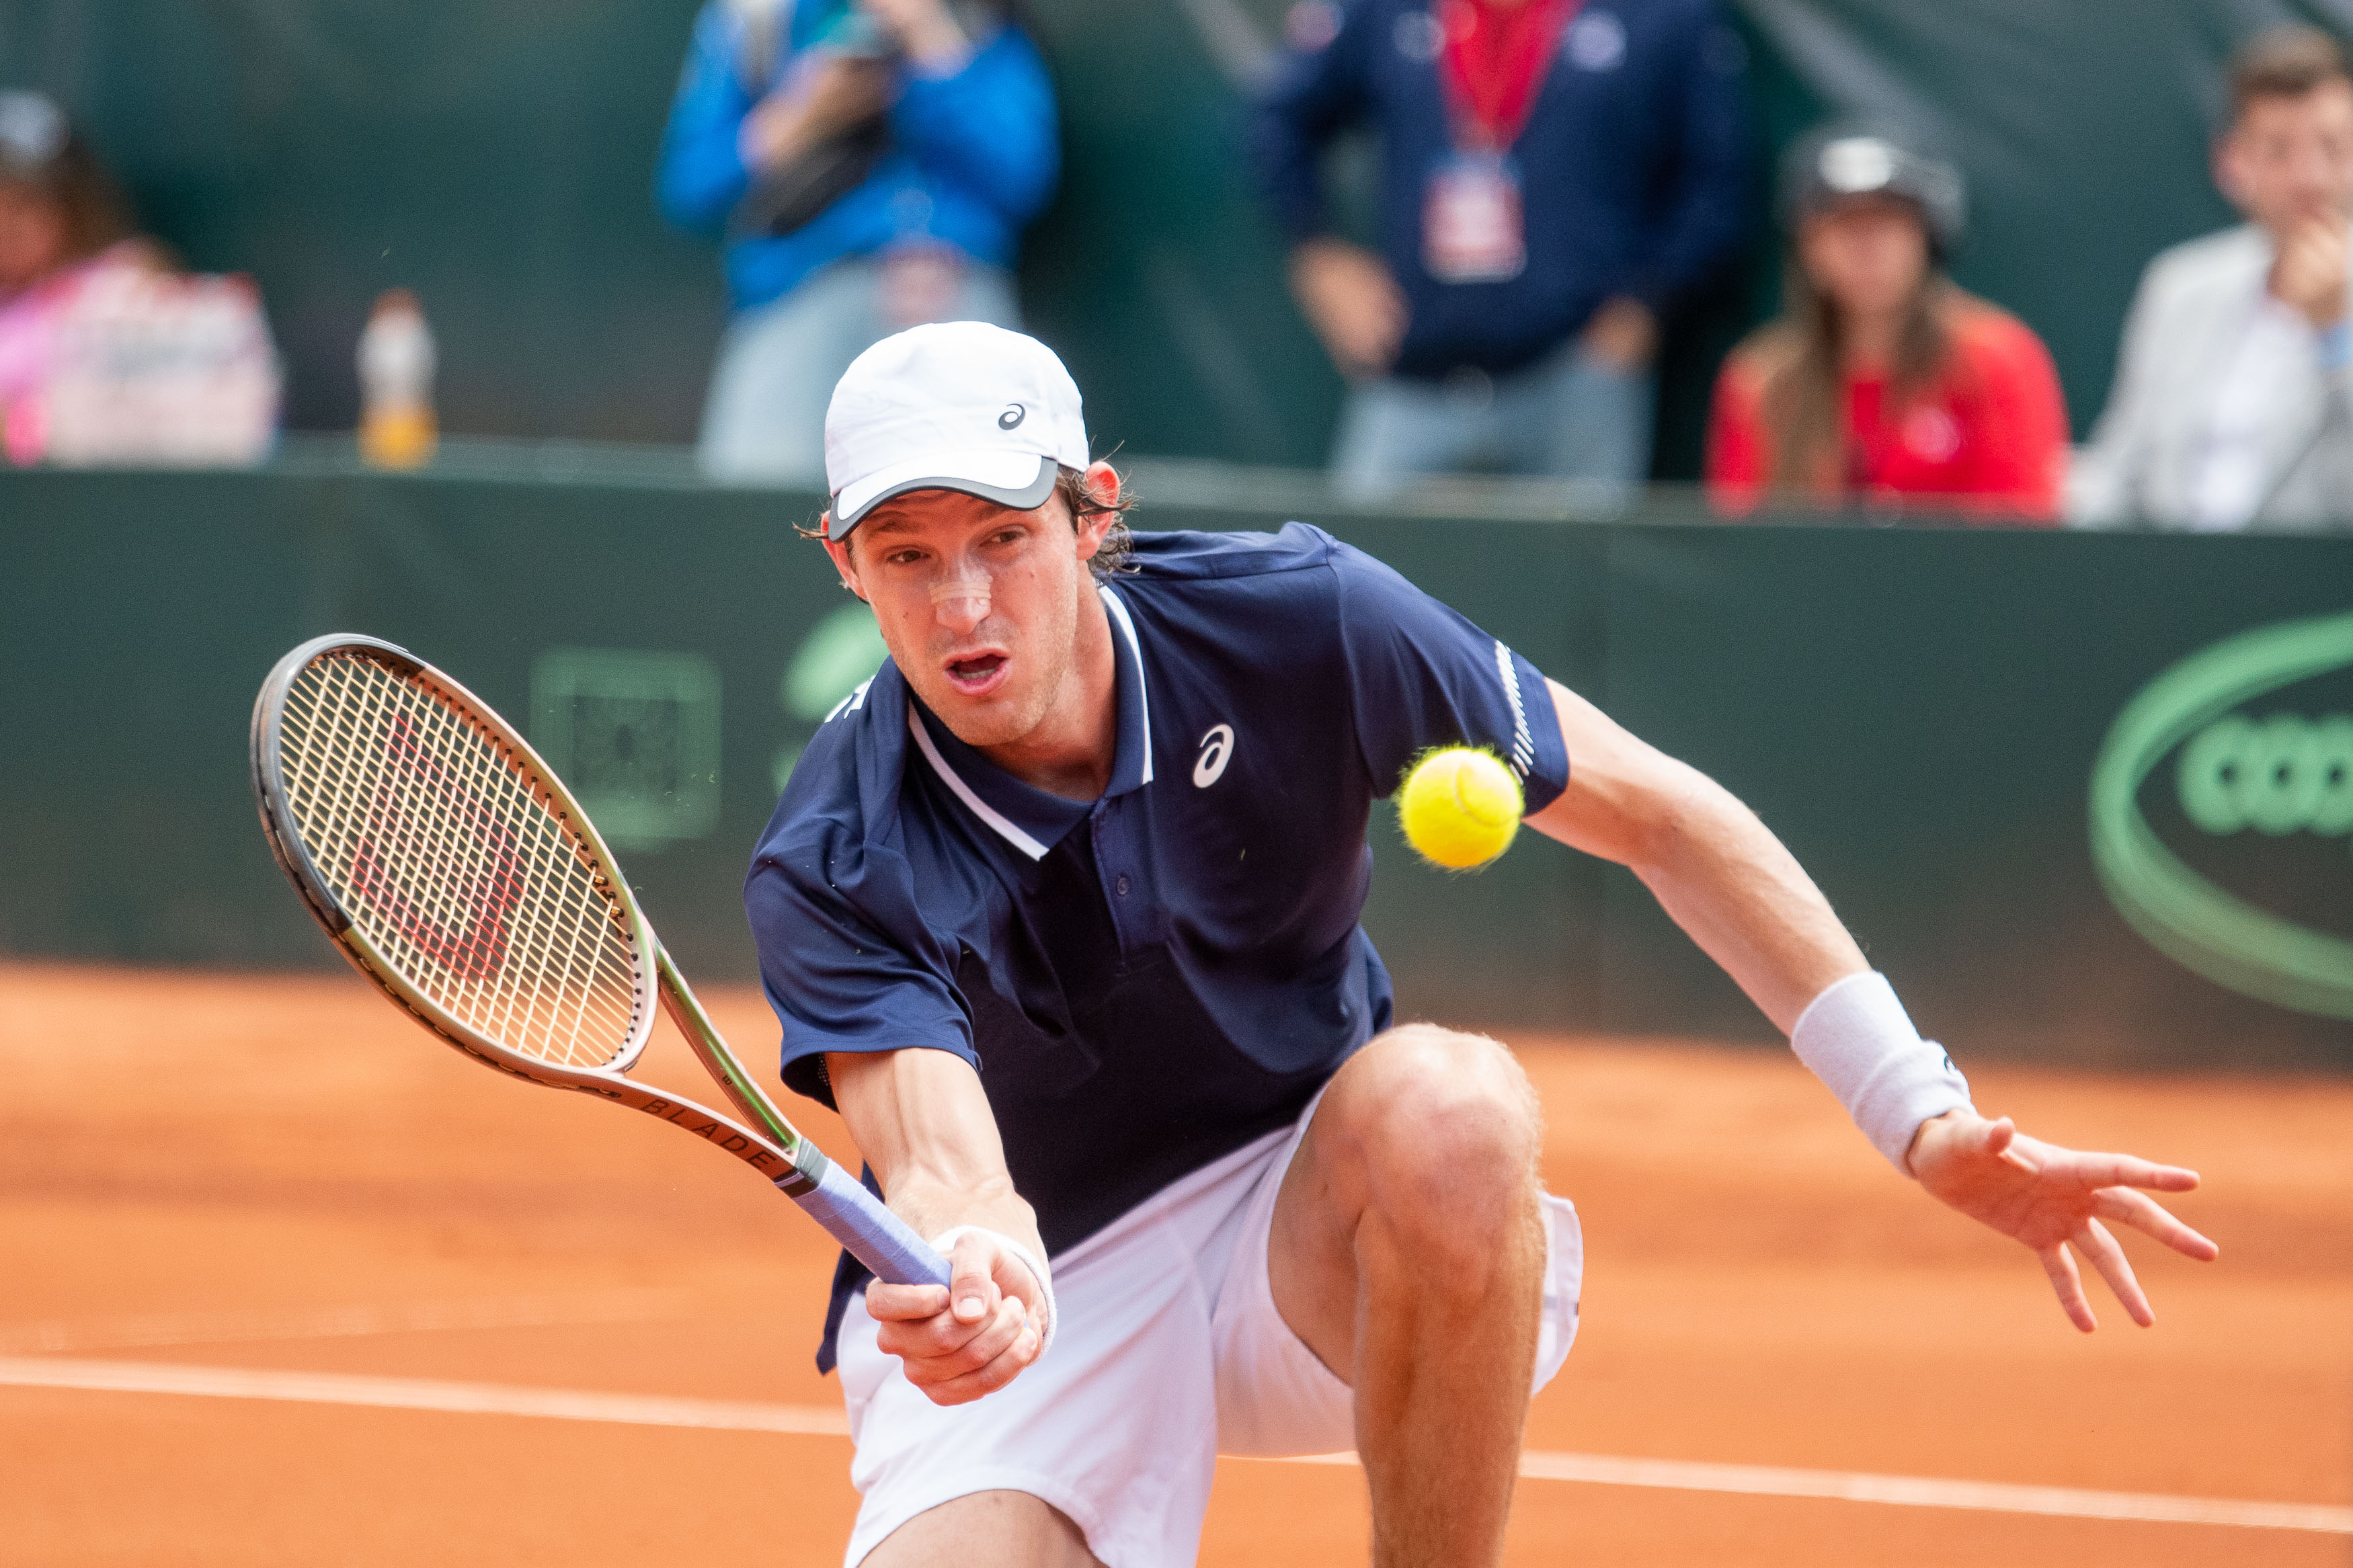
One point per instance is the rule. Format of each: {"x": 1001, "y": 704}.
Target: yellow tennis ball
{"x": 1459, "y": 807}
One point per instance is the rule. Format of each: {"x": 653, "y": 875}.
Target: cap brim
{"x": 1020, "y": 479}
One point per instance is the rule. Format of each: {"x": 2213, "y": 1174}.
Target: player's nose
{"x": 961, "y": 599}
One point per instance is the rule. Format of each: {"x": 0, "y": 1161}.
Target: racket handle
{"x": 873, "y": 1234}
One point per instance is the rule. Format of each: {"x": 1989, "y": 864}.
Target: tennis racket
{"x": 455, "y": 872}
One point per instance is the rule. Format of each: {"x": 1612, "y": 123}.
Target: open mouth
{"x": 977, "y": 674}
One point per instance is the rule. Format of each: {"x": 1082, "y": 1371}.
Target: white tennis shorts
{"x": 1169, "y": 1353}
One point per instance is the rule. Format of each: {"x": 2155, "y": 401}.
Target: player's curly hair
{"x": 1111, "y": 558}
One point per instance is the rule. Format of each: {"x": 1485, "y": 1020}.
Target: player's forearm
{"x": 923, "y": 1122}
{"x": 1745, "y": 899}
{"x": 1730, "y": 884}
{"x": 1742, "y": 896}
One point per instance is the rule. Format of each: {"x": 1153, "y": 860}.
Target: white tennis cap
{"x": 956, "y": 406}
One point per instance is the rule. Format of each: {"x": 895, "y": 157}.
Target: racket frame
{"x": 777, "y": 1150}
{"x": 837, "y": 1200}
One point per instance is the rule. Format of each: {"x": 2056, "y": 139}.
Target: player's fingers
{"x": 1002, "y": 1370}
{"x": 2127, "y": 1171}
{"x": 929, "y": 1339}
{"x": 2068, "y": 1284}
{"x": 1998, "y": 1134}
{"x": 2151, "y": 1218}
{"x": 972, "y": 1282}
{"x": 2116, "y": 1269}
{"x": 2004, "y": 1142}
{"x": 977, "y": 1349}
{"x": 895, "y": 1303}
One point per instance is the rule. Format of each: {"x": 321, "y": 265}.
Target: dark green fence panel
{"x": 1917, "y": 713}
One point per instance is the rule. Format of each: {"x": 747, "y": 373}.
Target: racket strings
{"x": 451, "y": 860}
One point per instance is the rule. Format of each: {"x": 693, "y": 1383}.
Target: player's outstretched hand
{"x": 2044, "y": 1197}
{"x": 970, "y": 1339}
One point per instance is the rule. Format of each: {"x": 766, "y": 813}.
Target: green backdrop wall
{"x": 1917, "y": 713}
{"x": 497, "y": 156}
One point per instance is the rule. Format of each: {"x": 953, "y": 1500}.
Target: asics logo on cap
{"x": 1014, "y": 414}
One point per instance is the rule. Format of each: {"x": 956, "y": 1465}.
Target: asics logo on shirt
{"x": 1014, "y": 414}
{"x": 1217, "y": 750}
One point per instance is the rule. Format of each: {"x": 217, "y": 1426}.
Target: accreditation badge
{"x": 1471, "y": 230}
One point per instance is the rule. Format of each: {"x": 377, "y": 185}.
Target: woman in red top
{"x": 1883, "y": 381}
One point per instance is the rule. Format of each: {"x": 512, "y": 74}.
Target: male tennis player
{"x": 1060, "y": 908}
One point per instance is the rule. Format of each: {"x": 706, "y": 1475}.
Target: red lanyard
{"x": 1493, "y": 63}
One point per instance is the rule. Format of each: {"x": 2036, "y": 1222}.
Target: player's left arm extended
{"x": 1729, "y": 883}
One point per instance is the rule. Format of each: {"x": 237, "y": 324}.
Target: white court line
{"x": 420, "y": 1394}
{"x": 1918, "y": 1492}
{"x": 815, "y": 1420}
{"x": 336, "y": 1322}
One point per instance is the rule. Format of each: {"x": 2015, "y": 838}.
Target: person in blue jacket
{"x": 869, "y": 165}
{"x": 1555, "y": 177}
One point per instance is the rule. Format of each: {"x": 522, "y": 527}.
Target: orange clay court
{"x": 214, "y": 1190}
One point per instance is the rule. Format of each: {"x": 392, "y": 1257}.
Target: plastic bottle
{"x": 396, "y": 361}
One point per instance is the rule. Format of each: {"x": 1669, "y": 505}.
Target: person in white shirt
{"x": 2231, "y": 404}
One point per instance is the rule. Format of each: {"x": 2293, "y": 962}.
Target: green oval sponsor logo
{"x": 2284, "y": 774}
{"x": 840, "y": 654}
{"x": 2276, "y": 775}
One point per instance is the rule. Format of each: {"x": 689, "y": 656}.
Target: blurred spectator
{"x": 62, "y": 223}
{"x": 871, "y": 163}
{"x": 2230, "y": 401}
{"x": 1882, "y": 380}
{"x": 1555, "y": 176}
{"x": 106, "y": 354}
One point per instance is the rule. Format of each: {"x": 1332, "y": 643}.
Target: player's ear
{"x": 1101, "y": 483}
{"x": 846, "y": 567}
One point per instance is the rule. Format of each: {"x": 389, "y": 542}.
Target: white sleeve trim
{"x": 945, "y": 1243}
{"x": 1856, "y": 1037}
{"x": 1523, "y": 745}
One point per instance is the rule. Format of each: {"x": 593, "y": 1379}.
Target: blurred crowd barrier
{"x": 2085, "y": 795}
{"x": 498, "y": 159}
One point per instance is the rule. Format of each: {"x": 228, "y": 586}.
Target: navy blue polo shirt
{"x": 1147, "y": 981}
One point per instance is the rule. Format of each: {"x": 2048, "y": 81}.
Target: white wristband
{"x": 945, "y": 1243}
{"x": 1857, "y": 1038}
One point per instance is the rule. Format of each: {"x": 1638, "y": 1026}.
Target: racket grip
{"x": 873, "y": 1234}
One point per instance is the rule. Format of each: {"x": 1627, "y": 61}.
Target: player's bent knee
{"x": 1443, "y": 1120}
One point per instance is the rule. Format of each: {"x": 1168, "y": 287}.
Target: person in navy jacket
{"x": 1555, "y": 177}
{"x": 869, "y": 165}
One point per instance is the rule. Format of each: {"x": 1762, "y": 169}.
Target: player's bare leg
{"x": 985, "y": 1530}
{"x": 1407, "y": 1251}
